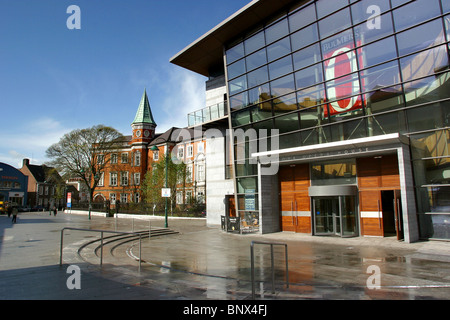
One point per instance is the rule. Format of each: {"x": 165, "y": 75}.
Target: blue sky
{"x": 54, "y": 80}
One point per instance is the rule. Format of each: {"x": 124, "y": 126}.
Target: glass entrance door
{"x": 335, "y": 216}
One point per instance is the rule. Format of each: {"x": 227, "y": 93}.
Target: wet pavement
{"x": 202, "y": 263}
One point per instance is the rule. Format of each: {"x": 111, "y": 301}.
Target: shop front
{"x": 363, "y": 188}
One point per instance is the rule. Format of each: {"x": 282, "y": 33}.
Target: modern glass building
{"x": 359, "y": 95}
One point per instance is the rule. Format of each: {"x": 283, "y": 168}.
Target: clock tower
{"x": 143, "y": 125}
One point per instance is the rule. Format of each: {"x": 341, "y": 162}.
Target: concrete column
{"x": 268, "y": 198}
{"x": 410, "y": 223}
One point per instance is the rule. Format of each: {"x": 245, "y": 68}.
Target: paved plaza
{"x": 202, "y": 263}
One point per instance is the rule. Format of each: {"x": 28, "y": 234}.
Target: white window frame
{"x": 137, "y": 159}
{"x": 137, "y": 178}
{"x": 190, "y": 151}
{"x": 113, "y": 178}
{"x": 124, "y": 157}
{"x": 124, "y": 178}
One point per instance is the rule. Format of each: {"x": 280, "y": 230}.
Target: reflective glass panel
{"x": 259, "y": 93}
{"x": 311, "y": 96}
{"x": 425, "y": 118}
{"x": 282, "y": 86}
{"x": 335, "y": 23}
{"x": 236, "y": 69}
{"x": 365, "y": 34}
{"x": 261, "y": 112}
{"x": 287, "y": 123}
{"x": 280, "y": 67}
{"x": 420, "y": 37}
{"x": 256, "y": 59}
{"x": 239, "y": 101}
{"x": 309, "y": 76}
{"x": 386, "y": 123}
{"x": 235, "y": 53}
{"x": 428, "y": 89}
{"x": 445, "y": 5}
{"x": 237, "y": 85}
{"x": 240, "y": 118}
{"x": 384, "y": 99}
{"x": 380, "y": 76}
{"x": 424, "y": 63}
{"x": 362, "y": 11}
{"x": 285, "y": 104}
{"x": 415, "y": 12}
{"x": 254, "y": 43}
{"x": 325, "y": 7}
{"x": 302, "y": 18}
{"x": 377, "y": 52}
{"x": 304, "y": 37}
{"x": 306, "y": 57}
{"x": 279, "y": 49}
{"x": 311, "y": 117}
{"x": 257, "y": 77}
{"x": 277, "y": 31}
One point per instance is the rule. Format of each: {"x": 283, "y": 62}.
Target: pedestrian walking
{"x": 15, "y": 212}
{"x": 55, "y": 211}
{"x": 9, "y": 210}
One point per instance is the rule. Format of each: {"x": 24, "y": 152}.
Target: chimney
{"x": 26, "y": 162}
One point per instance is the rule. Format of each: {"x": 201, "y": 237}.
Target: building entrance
{"x": 335, "y": 215}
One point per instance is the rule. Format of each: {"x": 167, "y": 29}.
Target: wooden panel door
{"x": 371, "y": 215}
{"x": 294, "y": 198}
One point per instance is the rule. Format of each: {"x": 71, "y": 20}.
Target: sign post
{"x": 69, "y": 200}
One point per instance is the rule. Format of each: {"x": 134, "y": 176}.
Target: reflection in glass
{"x": 304, "y": 37}
{"x": 238, "y": 85}
{"x": 384, "y": 99}
{"x": 277, "y": 31}
{"x": 420, "y": 37}
{"x": 302, "y": 17}
{"x": 287, "y": 123}
{"x": 427, "y": 89}
{"x": 334, "y": 23}
{"x": 337, "y": 172}
{"x": 424, "y": 63}
{"x": 377, "y": 52}
{"x": 257, "y": 77}
{"x": 285, "y": 104}
{"x": 309, "y": 76}
{"x": 254, "y": 43}
{"x": 380, "y": 76}
{"x": 311, "y": 96}
{"x": 259, "y": 94}
{"x": 239, "y": 101}
{"x": 425, "y": 118}
{"x": 256, "y": 59}
{"x": 325, "y": 7}
{"x": 306, "y": 57}
{"x": 236, "y": 69}
{"x": 279, "y": 49}
{"x": 282, "y": 86}
{"x": 415, "y": 12}
{"x": 235, "y": 53}
{"x": 280, "y": 67}
{"x": 365, "y": 35}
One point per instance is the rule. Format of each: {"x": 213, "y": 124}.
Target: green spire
{"x": 144, "y": 113}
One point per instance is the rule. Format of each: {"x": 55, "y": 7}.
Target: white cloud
{"x": 173, "y": 92}
{"x": 30, "y": 140}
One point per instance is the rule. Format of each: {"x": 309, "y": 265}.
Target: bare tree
{"x": 84, "y": 154}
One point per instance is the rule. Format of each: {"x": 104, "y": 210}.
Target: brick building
{"x": 123, "y": 177}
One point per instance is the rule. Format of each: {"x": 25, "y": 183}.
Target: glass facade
{"x": 333, "y": 70}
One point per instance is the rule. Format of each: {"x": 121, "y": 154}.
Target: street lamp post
{"x": 155, "y": 148}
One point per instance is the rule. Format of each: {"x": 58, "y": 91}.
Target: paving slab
{"x": 204, "y": 263}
